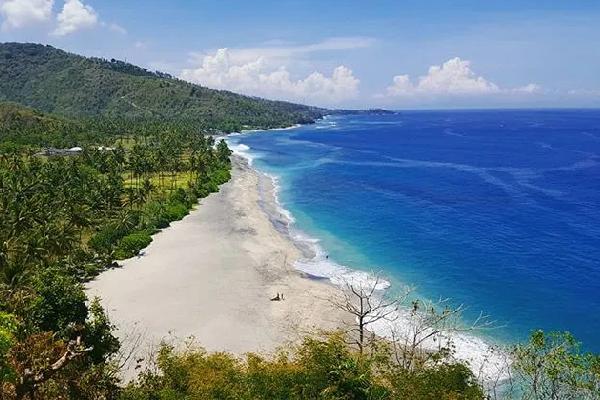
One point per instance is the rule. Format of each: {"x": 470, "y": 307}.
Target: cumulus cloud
{"x": 258, "y": 77}
{"x": 21, "y": 13}
{"x": 75, "y": 16}
{"x": 454, "y": 77}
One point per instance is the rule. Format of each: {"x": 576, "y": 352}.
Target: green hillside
{"x": 24, "y": 126}
{"x": 54, "y": 81}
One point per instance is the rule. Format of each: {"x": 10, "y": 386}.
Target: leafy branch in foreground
{"x": 552, "y": 366}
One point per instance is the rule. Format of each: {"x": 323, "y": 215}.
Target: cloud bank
{"x": 248, "y": 72}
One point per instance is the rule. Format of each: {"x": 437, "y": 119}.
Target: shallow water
{"x": 497, "y": 210}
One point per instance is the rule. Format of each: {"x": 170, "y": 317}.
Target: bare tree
{"x": 367, "y": 305}
{"x": 427, "y": 333}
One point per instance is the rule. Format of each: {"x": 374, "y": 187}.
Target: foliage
{"x": 22, "y": 126}
{"x": 131, "y": 244}
{"x": 145, "y": 164}
{"x": 66, "y": 218}
{"x": 54, "y": 81}
{"x": 320, "y": 368}
{"x": 552, "y": 366}
{"x": 8, "y": 329}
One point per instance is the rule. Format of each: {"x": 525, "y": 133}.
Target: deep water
{"x": 497, "y": 210}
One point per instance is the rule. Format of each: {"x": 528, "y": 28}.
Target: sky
{"x": 398, "y": 54}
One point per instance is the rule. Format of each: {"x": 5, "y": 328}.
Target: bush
{"x": 447, "y": 381}
{"x": 131, "y": 244}
{"x": 60, "y": 303}
{"x": 109, "y": 235}
{"x": 154, "y": 216}
{"x": 104, "y": 239}
{"x": 320, "y": 368}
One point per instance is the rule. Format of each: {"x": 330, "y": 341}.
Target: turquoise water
{"x": 497, "y": 210}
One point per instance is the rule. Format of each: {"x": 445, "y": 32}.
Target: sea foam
{"x": 488, "y": 362}
{"x": 242, "y": 150}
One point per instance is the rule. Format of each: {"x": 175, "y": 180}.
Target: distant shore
{"x": 212, "y": 276}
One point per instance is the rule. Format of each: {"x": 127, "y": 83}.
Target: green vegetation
{"x": 58, "y": 82}
{"x": 320, "y": 368}
{"x": 145, "y": 163}
{"x": 65, "y": 219}
{"x": 552, "y": 366}
{"x": 23, "y": 127}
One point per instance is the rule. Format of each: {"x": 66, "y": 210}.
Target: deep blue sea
{"x": 497, "y": 210}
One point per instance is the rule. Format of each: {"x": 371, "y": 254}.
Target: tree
{"x": 426, "y": 334}
{"x": 553, "y": 367}
{"x": 223, "y": 151}
{"x": 367, "y": 305}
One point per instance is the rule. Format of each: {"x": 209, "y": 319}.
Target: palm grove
{"x": 65, "y": 218}
{"x": 145, "y": 160}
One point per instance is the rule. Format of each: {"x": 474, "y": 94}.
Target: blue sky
{"x": 395, "y": 54}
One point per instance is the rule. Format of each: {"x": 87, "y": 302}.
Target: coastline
{"x": 250, "y": 233}
{"x": 211, "y": 276}
{"x": 487, "y": 359}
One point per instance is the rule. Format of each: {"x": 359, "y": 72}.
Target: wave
{"x": 242, "y": 150}
{"x": 485, "y": 359}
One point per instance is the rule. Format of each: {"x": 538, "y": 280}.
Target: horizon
{"x": 299, "y": 199}
{"x": 515, "y": 55}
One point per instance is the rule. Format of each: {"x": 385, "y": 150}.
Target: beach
{"x": 212, "y": 275}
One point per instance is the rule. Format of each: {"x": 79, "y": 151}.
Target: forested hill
{"x": 54, "y": 81}
{"x": 15, "y": 116}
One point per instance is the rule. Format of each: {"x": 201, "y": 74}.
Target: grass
{"x": 169, "y": 181}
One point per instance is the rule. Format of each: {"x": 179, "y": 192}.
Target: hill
{"x": 58, "y": 82}
{"x": 24, "y": 126}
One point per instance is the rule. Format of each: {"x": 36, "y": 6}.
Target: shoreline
{"x": 487, "y": 359}
{"x": 211, "y": 276}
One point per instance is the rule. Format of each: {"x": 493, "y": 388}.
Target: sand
{"x": 212, "y": 275}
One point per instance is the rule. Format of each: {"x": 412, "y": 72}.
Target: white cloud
{"x": 257, "y": 76}
{"x": 278, "y": 53}
{"x": 75, "y": 16}
{"x": 115, "y": 28}
{"x": 584, "y": 92}
{"x": 454, "y": 77}
{"x": 531, "y": 88}
{"x": 454, "y": 83}
{"x": 19, "y": 13}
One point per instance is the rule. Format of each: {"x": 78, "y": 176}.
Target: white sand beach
{"x": 212, "y": 275}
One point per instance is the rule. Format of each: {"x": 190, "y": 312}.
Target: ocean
{"x": 496, "y": 210}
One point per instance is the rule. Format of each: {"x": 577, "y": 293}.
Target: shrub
{"x": 103, "y": 240}
{"x": 110, "y": 234}
{"x": 61, "y": 302}
{"x": 154, "y": 216}
{"x": 131, "y": 244}
{"x": 320, "y": 368}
